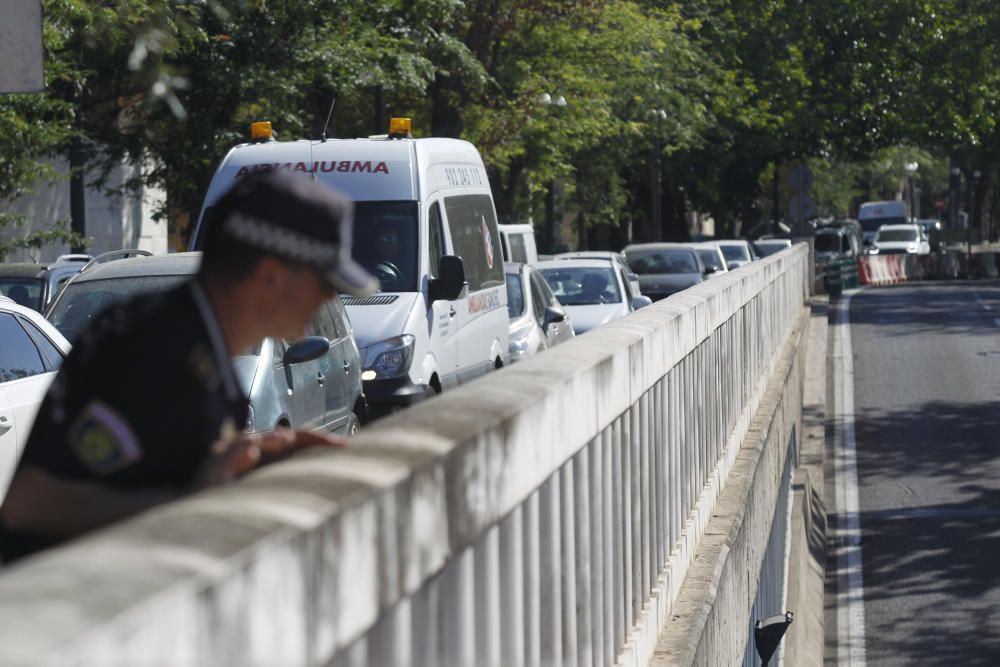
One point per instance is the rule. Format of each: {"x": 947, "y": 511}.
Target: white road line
{"x": 850, "y": 585}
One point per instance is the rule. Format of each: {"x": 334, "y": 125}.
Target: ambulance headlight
{"x": 389, "y": 358}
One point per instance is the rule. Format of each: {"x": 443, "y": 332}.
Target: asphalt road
{"x": 927, "y": 424}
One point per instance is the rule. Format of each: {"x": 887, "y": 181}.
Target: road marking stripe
{"x": 851, "y": 590}
{"x": 931, "y": 513}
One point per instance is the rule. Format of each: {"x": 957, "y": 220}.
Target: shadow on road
{"x": 931, "y": 568}
{"x": 948, "y": 309}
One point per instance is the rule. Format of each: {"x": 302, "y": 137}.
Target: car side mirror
{"x": 709, "y": 270}
{"x": 450, "y": 282}
{"x": 640, "y": 301}
{"x": 553, "y": 315}
{"x": 309, "y": 348}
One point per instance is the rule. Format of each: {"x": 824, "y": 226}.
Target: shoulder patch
{"x": 203, "y": 366}
{"x": 103, "y": 440}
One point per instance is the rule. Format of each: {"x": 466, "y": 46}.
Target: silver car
{"x": 314, "y": 383}
{"x": 665, "y": 268}
{"x": 537, "y": 319}
{"x": 36, "y": 285}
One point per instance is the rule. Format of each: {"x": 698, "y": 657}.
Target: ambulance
{"x": 425, "y": 225}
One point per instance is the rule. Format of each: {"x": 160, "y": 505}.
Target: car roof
{"x": 589, "y": 254}
{"x": 728, "y": 242}
{"x": 900, "y": 226}
{"x": 655, "y": 246}
{"x": 10, "y": 306}
{"x": 175, "y": 264}
{"x": 573, "y": 263}
{"x": 21, "y": 270}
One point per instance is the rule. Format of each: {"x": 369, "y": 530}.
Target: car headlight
{"x": 911, "y": 248}
{"x": 389, "y": 358}
{"x": 519, "y": 342}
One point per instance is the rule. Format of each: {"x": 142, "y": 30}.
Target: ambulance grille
{"x": 377, "y": 300}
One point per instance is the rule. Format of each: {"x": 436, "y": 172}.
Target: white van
{"x": 518, "y": 244}
{"x": 874, "y": 214}
{"x": 425, "y": 225}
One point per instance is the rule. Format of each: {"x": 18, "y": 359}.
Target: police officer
{"x": 147, "y": 406}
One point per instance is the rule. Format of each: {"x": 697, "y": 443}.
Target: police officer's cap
{"x": 296, "y": 218}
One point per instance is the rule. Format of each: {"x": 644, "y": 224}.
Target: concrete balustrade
{"x": 544, "y": 515}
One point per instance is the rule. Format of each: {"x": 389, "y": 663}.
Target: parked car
{"x": 35, "y": 285}
{"x": 766, "y": 247}
{"x": 31, "y": 351}
{"x": 591, "y": 291}
{"x": 285, "y": 383}
{"x": 537, "y": 319}
{"x": 616, "y": 258}
{"x": 874, "y": 214}
{"x": 901, "y": 239}
{"x": 665, "y": 268}
{"x": 737, "y": 252}
{"x": 713, "y": 259}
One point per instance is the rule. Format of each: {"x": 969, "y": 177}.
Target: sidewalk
{"x": 807, "y": 556}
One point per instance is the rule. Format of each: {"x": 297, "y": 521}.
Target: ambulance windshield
{"x": 386, "y": 242}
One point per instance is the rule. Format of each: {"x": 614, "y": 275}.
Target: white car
{"x": 617, "y": 258}
{"x": 591, "y": 291}
{"x": 712, "y": 257}
{"x": 31, "y": 351}
{"x": 901, "y": 240}
{"x": 736, "y": 251}
{"x": 537, "y": 319}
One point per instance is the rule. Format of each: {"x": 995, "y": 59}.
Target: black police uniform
{"x": 138, "y": 402}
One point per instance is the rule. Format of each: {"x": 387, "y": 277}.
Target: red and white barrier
{"x": 881, "y": 269}
{"x": 892, "y": 269}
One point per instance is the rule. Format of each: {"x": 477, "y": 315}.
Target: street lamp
{"x": 911, "y": 170}
{"x": 551, "y": 227}
{"x": 656, "y": 175}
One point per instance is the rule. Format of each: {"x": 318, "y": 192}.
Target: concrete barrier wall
{"x": 738, "y": 574}
{"x": 546, "y": 514}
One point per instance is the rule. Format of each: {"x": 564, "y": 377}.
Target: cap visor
{"x": 351, "y": 278}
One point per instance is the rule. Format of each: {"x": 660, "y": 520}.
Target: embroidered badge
{"x": 103, "y": 440}
{"x": 204, "y": 367}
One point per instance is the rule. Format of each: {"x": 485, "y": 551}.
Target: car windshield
{"x": 827, "y": 243}
{"x": 899, "y": 235}
{"x": 80, "y": 302}
{"x": 583, "y": 286}
{"x": 645, "y": 262}
{"x": 385, "y": 242}
{"x": 515, "y": 295}
{"x": 25, "y": 292}
{"x": 737, "y": 253}
{"x": 710, "y": 258}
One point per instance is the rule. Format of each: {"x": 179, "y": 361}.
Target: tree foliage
{"x": 725, "y": 88}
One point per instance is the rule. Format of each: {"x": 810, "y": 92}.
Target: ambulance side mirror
{"x": 450, "y": 283}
